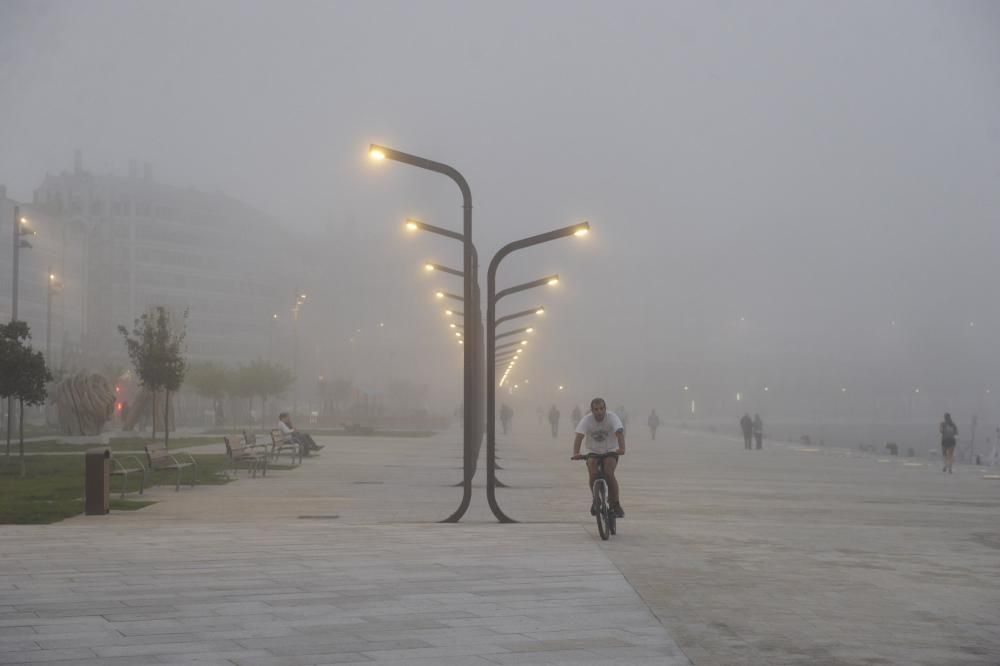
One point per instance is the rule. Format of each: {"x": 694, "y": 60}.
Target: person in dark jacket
{"x": 746, "y": 425}
{"x": 949, "y": 440}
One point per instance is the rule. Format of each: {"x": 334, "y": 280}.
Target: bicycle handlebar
{"x": 584, "y": 456}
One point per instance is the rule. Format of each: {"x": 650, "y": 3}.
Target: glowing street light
{"x": 431, "y": 267}
{"x": 523, "y": 313}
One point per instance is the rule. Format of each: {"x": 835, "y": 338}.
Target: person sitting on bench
{"x": 301, "y": 438}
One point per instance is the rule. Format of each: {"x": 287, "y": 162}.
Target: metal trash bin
{"x": 97, "y": 482}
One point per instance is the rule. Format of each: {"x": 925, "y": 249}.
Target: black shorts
{"x": 947, "y": 445}
{"x": 602, "y": 456}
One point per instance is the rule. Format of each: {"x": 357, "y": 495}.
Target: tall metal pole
{"x": 13, "y": 314}
{"x": 491, "y": 325}
{"x": 17, "y": 253}
{"x": 48, "y": 319}
{"x": 295, "y": 355}
{"x": 472, "y": 427}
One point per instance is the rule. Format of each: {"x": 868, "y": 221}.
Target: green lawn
{"x": 53, "y": 487}
{"x": 117, "y": 445}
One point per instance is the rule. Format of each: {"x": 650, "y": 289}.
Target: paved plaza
{"x": 784, "y": 556}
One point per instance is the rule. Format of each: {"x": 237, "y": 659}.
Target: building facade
{"x": 120, "y": 245}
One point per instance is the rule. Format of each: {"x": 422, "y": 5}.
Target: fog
{"x": 802, "y": 196}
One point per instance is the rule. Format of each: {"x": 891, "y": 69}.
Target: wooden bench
{"x": 162, "y": 460}
{"x": 126, "y": 465}
{"x": 281, "y": 442}
{"x": 248, "y": 453}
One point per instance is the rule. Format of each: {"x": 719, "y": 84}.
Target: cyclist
{"x": 601, "y": 429}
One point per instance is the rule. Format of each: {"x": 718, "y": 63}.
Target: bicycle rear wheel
{"x": 601, "y": 498}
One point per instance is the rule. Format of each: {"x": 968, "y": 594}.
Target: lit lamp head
{"x": 540, "y": 311}
{"x": 411, "y": 225}
{"x": 439, "y": 294}
{"x": 428, "y": 267}
{"x": 376, "y": 152}
{"x": 553, "y": 281}
{"x": 583, "y": 229}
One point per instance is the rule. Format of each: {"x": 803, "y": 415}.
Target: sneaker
{"x": 593, "y": 508}
{"x": 319, "y": 447}
{"x": 619, "y": 511}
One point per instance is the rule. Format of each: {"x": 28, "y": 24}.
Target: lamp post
{"x": 270, "y": 338}
{"x": 492, "y": 296}
{"x": 300, "y": 298}
{"x": 55, "y": 286}
{"x": 20, "y": 229}
{"x": 472, "y": 351}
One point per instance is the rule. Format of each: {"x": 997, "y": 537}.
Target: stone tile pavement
{"x": 784, "y": 556}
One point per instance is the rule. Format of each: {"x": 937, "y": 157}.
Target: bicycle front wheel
{"x": 601, "y": 499}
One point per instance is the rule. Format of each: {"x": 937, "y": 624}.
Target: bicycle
{"x": 606, "y": 518}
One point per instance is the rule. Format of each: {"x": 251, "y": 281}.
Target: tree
{"x": 23, "y": 375}
{"x": 212, "y": 381}
{"x": 270, "y": 379}
{"x": 156, "y": 352}
{"x": 264, "y": 379}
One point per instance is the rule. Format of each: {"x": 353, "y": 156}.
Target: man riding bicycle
{"x": 602, "y": 430}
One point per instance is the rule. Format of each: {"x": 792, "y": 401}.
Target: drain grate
{"x": 330, "y": 517}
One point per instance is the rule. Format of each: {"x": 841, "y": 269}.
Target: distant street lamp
{"x": 526, "y": 329}
{"x": 54, "y": 287}
{"x": 448, "y": 294}
{"x": 270, "y": 338}
{"x": 444, "y": 269}
{"x": 523, "y": 313}
{"x": 492, "y": 296}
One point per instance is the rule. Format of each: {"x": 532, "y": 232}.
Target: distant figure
{"x": 540, "y": 412}
{"x": 995, "y": 455}
{"x": 949, "y": 439}
{"x": 623, "y": 417}
{"x": 554, "y": 421}
{"x": 506, "y": 414}
{"x": 576, "y": 416}
{"x": 758, "y": 431}
{"x": 653, "y": 422}
{"x": 746, "y": 424}
{"x": 892, "y": 448}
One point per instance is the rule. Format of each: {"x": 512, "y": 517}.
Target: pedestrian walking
{"x": 554, "y": 421}
{"x": 746, "y": 425}
{"x": 506, "y": 414}
{"x": 653, "y": 422}
{"x": 949, "y": 439}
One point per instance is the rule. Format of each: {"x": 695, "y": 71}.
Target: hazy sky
{"x": 820, "y": 169}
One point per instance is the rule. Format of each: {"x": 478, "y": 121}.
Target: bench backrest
{"x": 157, "y": 454}
{"x": 278, "y": 437}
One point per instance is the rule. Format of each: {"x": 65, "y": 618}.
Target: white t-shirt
{"x": 600, "y": 435}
